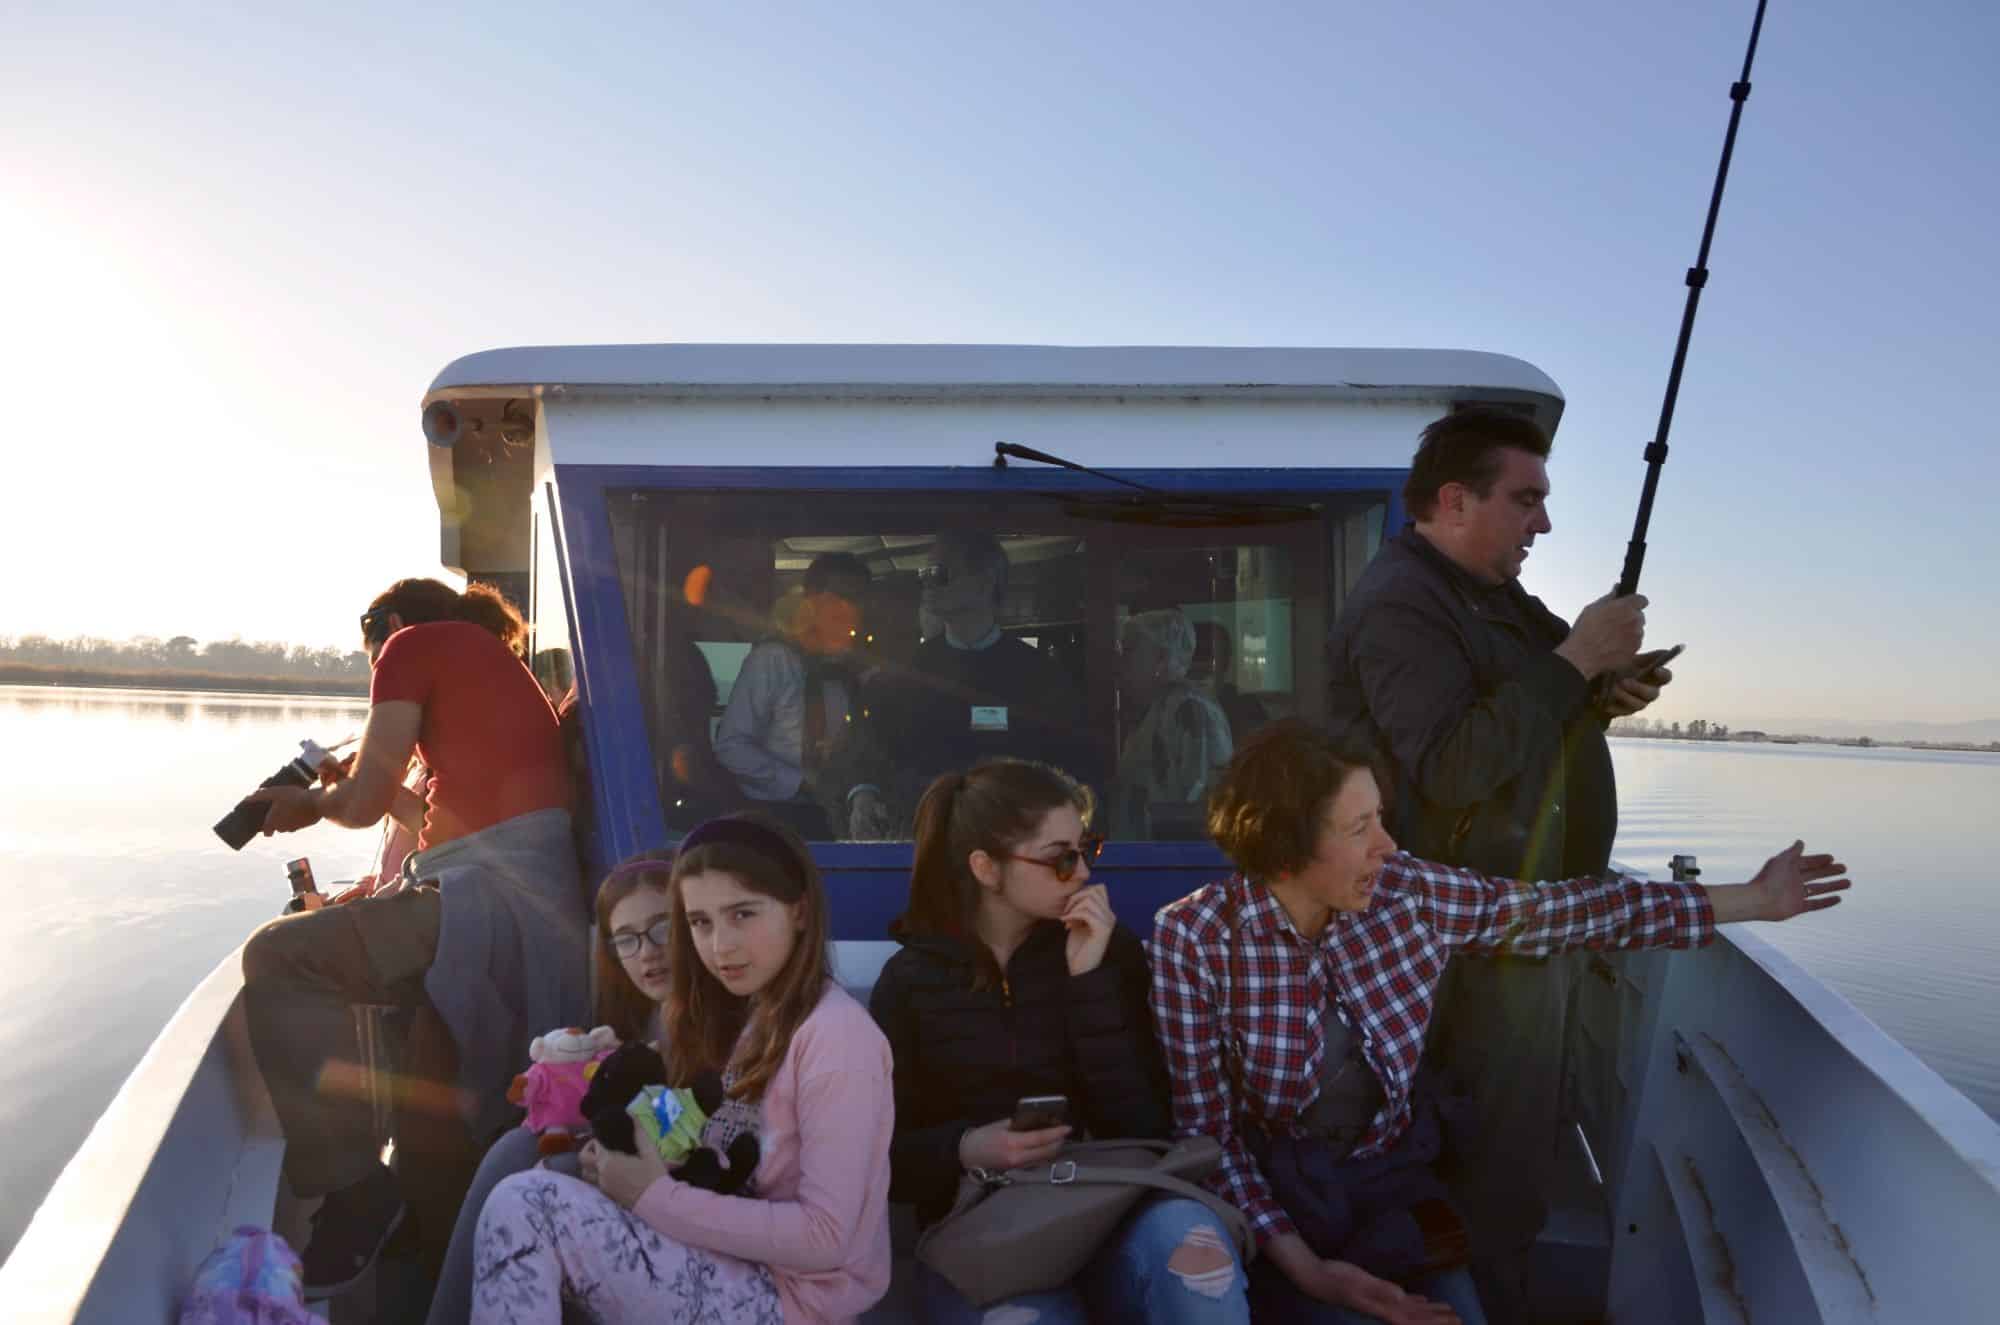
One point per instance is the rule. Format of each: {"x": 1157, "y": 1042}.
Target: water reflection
{"x": 119, "y": 898}
{"x": 1916, "y": 945}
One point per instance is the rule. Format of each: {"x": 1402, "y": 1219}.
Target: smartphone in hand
{"x": 1032, "y": 1113}
{"x": 1646, "y": 664}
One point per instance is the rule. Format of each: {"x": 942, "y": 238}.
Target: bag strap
{"x": 1113, "y": 1175}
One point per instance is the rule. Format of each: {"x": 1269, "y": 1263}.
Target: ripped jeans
{"x": 1169, "y": 1262}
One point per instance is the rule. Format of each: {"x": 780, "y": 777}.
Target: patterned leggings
{"x": 550, "y": 1244}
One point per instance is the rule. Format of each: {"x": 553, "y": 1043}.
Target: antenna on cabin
{"x": 1697, "y": 277}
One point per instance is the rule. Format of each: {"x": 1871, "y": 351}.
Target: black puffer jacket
{"x": 964, "y": 1056}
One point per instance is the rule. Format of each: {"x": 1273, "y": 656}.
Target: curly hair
{"x": 419, "y": 601}
{"x": 1265, "y": 810}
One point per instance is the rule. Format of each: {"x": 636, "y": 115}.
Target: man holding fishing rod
{"x": 1488, "y": 711}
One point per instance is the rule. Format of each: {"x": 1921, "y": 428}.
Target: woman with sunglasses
{"x": 447, "y": 682}
{"x": 634, "y": 926}
{"x": 1015, "y": 980}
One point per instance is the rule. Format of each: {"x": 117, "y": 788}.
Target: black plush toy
{"x": 628, "y": 1094}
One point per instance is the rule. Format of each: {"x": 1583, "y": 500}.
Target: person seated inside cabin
{"x": 1179, "y": 737}
{"x": 1292, "y": 1001}
{"x": 970, "y": 692}
{"x": 1014, "y": 980}
{"x": 793, "y": 697}
{"x": 1214, "y": 669}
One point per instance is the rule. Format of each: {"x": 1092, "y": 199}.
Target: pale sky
{"x": 238, "y": 247}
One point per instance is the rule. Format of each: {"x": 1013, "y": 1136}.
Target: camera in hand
{"x": 241, "y": 824}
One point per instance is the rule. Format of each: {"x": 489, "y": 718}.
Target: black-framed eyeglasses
{"x": 657, "y": 934}
{"x": 934, "y": 576}
{"x": 1063, "y": 865}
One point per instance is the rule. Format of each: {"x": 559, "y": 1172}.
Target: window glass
{"x": 824, "y": 656}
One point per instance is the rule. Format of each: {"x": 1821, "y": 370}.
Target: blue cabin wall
{"x": 868, "y": 882}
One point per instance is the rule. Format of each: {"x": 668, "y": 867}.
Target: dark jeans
{"x": 303, "y": 975}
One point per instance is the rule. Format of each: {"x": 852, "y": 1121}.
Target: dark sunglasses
{"x": 374, "y": 625}
{"x": 1063, "y": 866}
{"x": 657, "y": 934}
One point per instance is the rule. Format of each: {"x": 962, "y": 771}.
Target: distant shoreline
{"x": 160, "y": 679}
{"x": 1830, "y": 742}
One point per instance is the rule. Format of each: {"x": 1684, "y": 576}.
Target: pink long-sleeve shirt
{"x": 821, "y": 1217}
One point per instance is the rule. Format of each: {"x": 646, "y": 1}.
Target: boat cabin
{"x": 655, "y": 510}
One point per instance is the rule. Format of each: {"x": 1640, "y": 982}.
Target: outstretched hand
{"x": 1790, "y": 884}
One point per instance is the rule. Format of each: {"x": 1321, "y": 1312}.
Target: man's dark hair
{"x": 1464, "y": 447}
{"x": 830, "y": 569}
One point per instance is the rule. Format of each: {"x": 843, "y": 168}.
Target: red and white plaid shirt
{"x": 1230, "y": 947}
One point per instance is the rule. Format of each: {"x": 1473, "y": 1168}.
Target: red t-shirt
{"x": 489, "y": 736}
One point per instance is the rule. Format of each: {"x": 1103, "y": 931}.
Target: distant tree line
{"x": 187, "y": 655}
{"x": 1701, "y": 729}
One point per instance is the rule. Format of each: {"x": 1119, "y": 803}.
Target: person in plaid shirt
{"x": 1329, "y": 932}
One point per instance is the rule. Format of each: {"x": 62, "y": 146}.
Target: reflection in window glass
{"x": 824, "y": 656}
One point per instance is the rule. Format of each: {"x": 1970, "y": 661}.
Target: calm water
{"x": 1916, "y": 945}
{"x": 117, "y": 899}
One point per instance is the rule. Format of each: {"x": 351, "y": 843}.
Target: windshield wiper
{"x": 1155, "y": 505}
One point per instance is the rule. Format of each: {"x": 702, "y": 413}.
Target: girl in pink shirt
{"x": 752, "y": 996}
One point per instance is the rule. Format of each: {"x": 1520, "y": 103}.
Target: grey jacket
{"x": 513, "y": 955}
{"x": 1497, "y": 755}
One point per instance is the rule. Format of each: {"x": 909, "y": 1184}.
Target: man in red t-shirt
{"x": 449, "y": 685}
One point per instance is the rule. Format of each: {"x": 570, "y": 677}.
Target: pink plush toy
{"x": 552, "y": 1088}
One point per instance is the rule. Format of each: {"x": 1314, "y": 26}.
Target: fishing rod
{"x": 1697, "y": 277}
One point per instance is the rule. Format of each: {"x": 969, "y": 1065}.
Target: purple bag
{"x": 251, "y": 1279}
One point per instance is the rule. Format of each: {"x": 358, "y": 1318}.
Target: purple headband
{"x": 751, "y": 836}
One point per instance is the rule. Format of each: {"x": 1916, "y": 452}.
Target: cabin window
{"x": 824, "y": 655}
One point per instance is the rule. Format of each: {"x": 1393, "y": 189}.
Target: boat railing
{"x": 1769, "y": 1154}
{"x": 187, "y": 1150}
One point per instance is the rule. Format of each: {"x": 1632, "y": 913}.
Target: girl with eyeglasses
{"x": 1015, "y": 980}
{"x": 634, "y": 928}
{"x": 750, "y": 995}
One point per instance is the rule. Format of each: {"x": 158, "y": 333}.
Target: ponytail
{"x": 993, "y": 808}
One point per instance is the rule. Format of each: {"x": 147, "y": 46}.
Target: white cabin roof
{"x": 864, "y": 371}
